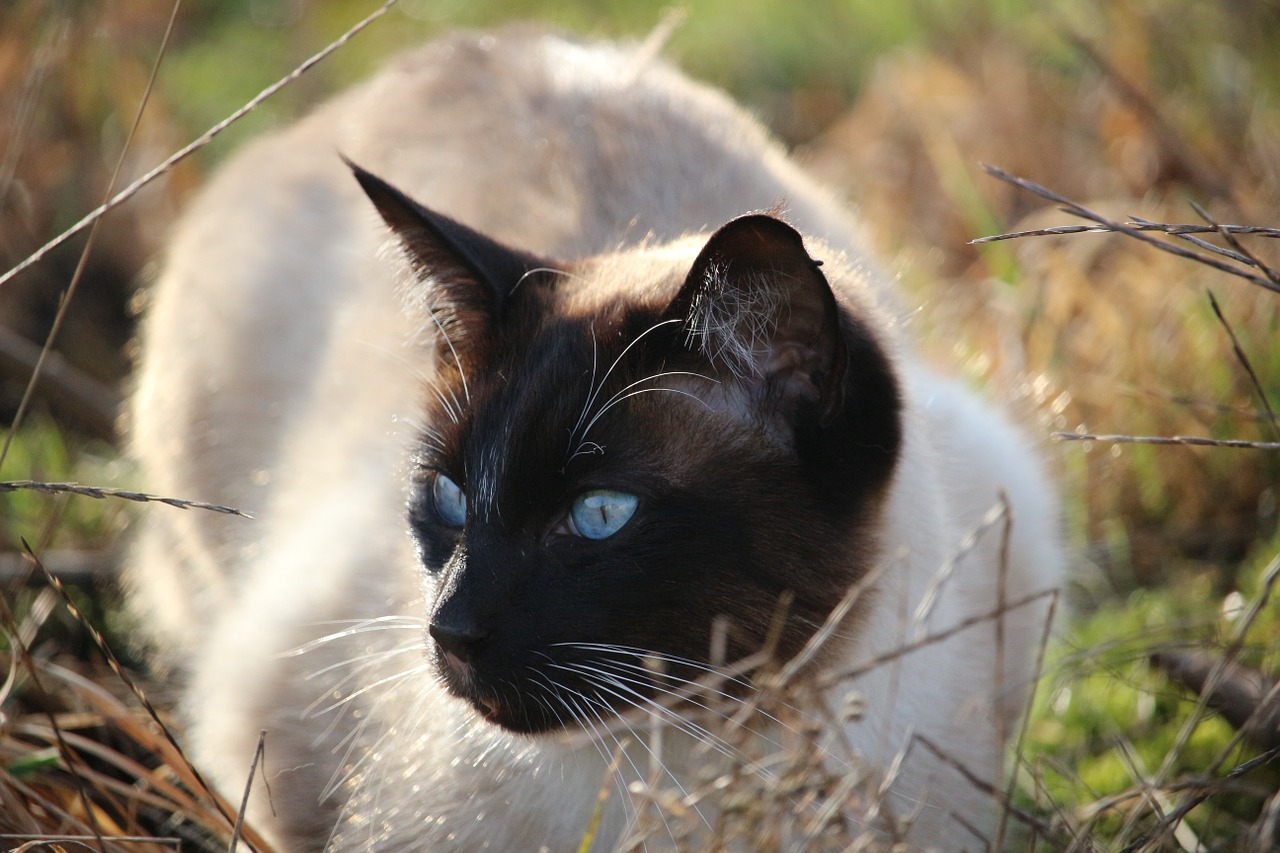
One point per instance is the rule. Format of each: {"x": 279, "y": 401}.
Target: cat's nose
{"x": 457, "y": 638}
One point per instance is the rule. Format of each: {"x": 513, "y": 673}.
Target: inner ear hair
{"x": 756, "y": 304}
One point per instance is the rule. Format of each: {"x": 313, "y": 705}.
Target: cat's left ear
{"x": 471, "y": 275}
{"x": 755, "y": 302}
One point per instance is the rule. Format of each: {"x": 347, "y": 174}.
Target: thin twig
{"x": 1250, "y": 258}
{"x": 10, "y": 624}
{"x": 1137, "y": 223}
{"x": 65, "y": 303}
{"x": 114, "y": 663}
{"x": 986, "y": 787}
{"x": 52, "y": 842}
{"x": 924, "y": 610}
{"x": 1201, "y": 243}
{"x": 1024, "y": 727}
{"x": 833, "y": 678}
{"x": 258, "y": 755}
{"x": 1244, "y": 362}
{"x": 1130, "y": 229}
{"x": 1270, "y": 576}
{"x": 1178, "y": 813}
{"x": 70, "y": 392}
{"x": 1194, "y": 440}
{"x": 194, "y": 146}
{"x": 101, "y": 493}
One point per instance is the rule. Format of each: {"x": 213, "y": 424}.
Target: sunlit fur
{"x": 309, "y": 365}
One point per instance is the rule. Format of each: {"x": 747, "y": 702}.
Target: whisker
{"x": 555, "y": 698}
{"x": 420, "y": 375}
{"x": 643, "y": 703}
{"x": 366, "y": 661}
{"x": 357, "y": 748}
{"x": 597, "y": 729}
{"x": 591, "y": 386}
{"x": 529, "y": 273}
{"x": 432, "y": 438}
{"x": 650, "y": 654}
{"x": 595, "y": 392}
{"x": 586, "y": 710}
{"x": 587, "y": 448}
{"x": 346, "y": 768}
{"x": 379, "y": 623}
{"x": 622, "y": 395}
{"x": 609, "y": 669}
{"x": 634, "y": 737}
{"x": 450, "y": 409}
{"x": 373, "y": 686}
{"x": 462, "y": 373}
{"x": 696, "y": 688}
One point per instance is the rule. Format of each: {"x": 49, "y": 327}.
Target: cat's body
{"x": 283, "y": 376}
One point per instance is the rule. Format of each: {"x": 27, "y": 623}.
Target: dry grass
{"x": 1116, "y": 338}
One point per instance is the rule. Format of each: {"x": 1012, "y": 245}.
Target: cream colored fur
{"x": 281, "y": 376}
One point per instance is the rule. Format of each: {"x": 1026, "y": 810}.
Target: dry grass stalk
{"x": 1268, "y": 280}
{"x": 102, "y": 493}
{"x": 195, "y": 145}
{"x": 117, "y": 783}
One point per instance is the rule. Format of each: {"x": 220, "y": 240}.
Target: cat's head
{"x": 619, "y": 450}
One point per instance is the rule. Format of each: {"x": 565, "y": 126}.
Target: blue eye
{"x": 450, "y": 501}
{"x": 600, "y": 513}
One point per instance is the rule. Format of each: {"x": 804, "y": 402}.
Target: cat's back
{"x": 562, "y": 147}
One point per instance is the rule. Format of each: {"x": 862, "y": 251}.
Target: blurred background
{"x": 1134, "y": 108}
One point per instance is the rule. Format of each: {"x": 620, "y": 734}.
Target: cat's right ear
{"x": 757, "y": 304}
{"x": 468, "y": 276}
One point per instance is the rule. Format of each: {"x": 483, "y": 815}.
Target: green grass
{"x": 762, "y": 51}
{"x": 1106, "y": 723}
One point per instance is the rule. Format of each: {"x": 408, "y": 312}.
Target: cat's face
{"x": 619, "y": 451}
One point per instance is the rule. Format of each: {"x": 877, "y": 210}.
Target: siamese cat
{"x": 554, "y": 389}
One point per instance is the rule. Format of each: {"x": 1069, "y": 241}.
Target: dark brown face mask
{"x": 593, "y": 492}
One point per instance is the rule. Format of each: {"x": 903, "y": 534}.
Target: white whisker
{"x": 591, "y": 385}
{"x": 368, "y": 688}
{"x": 693, "y": 689}
{"x": 654, "y": 709}
{"x": 598, "y": 709}
{"x": 588, "y": 448}
{"x": 597, "y": 388}
{"x": 622, "y": 394}
{"x": 462, "y": 373}
{"x": 529, "y": 273}
{"x": 649, "y": 654}
{"x": 380, "y": 623}
{"x": 366, "y": 660}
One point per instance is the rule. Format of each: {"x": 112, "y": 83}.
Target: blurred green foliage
{"x": 43, "y": 452}
{"x": 762, "y": 51}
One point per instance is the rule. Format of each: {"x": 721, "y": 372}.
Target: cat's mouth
{"x": 486, "y": 707}
{"x": 461, "y": 681}
{"x": 490, "y": 708}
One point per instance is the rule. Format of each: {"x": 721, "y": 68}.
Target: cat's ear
{"x": 754, "y": 302}
{"x": 471, "y": 275}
